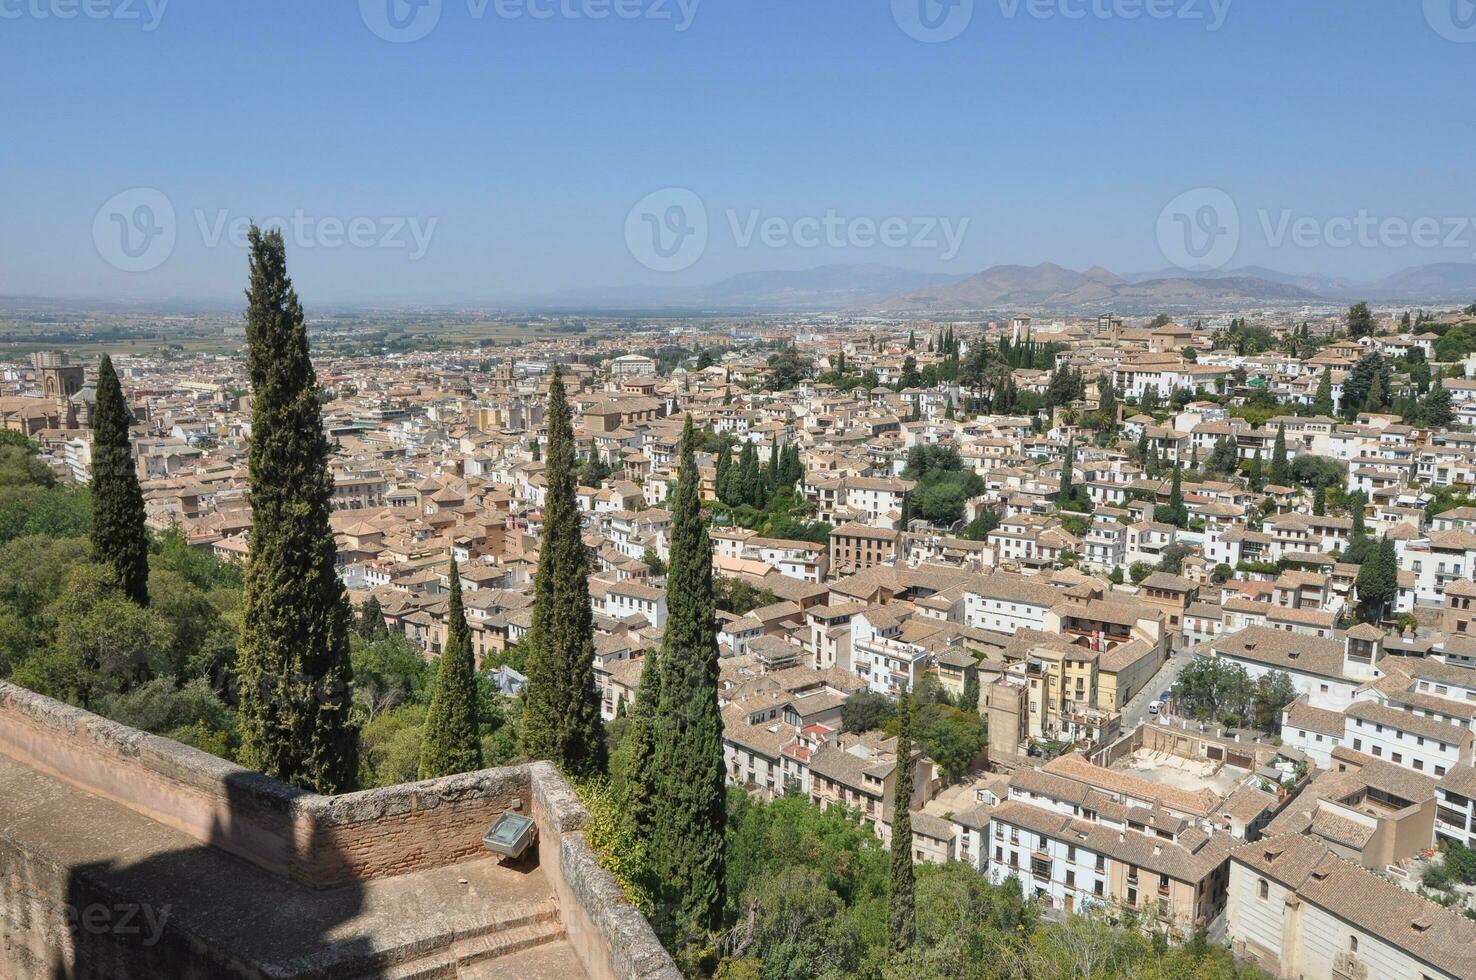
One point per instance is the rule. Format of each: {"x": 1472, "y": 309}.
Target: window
{"x": 1352, "y": 944}
{"x": 1263, "y": 888}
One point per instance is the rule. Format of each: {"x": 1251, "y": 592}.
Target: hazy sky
{"x": 500, "y": 156}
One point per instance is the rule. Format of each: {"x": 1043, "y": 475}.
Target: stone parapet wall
{"x": 327, "y": 842}
{"x": 319, "y": 841}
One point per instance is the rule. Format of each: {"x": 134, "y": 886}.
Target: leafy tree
{"x": 1274, "y": 691}
{"x": 293, "y": 670}
{"x": 1360, "y": 321}
{"x": 1172, "y": 558}
{"x": 901, "y": 913}
{"x": 452, "y": 740}
{"x": 978, "y": 529}
{"x": 951, "y": 737}
{"x": 865, "y": 711}
{"x": 118, "y": 536}
{"x": 734, "y": 595}
{"x": 561, "y": 712}
{"x": 788, "y": 368}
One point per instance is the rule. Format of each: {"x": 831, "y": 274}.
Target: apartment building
{"x": 1298, "y": 910}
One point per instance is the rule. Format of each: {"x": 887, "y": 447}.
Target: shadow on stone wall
{"x": 200, "y": 913}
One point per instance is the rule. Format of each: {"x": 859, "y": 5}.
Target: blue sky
{"x": 519, "y": 146}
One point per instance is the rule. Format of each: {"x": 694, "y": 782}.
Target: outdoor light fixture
{"x": 511, "y": 835}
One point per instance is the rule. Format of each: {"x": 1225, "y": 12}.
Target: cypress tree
{"x": 561, "y": 711}
{"x": 1378, "y": 581}
{"x": 293, "y": 666}
{"x": 969, "y": 700}
{"x": 1176, "y": 499}
{"x": 901, "y": 914}
{"x": 1281, "y": 473}
{"x": 1319, "y": 499}
{"x": 1066, "y": 490}
{"x": 1254, "y": 479}
{"x": 1322, "y": 403}
{"x": 118, "y": 537}
{"x": 751, "y": 482}
{"x": 371, "y": 620}
{"x": 720, "y": 480}
{"x": 537, "y": 450}
{"x": 452, "y": 739}
{"x": 691, "y": 812}
{"x": 1436, "y": 410}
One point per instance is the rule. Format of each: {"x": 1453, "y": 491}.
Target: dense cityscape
{"x": 1168, "y": 621}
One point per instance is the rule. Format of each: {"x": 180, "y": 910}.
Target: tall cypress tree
{"x": 1281, "y": 473}
{"x": 691, "y": 812}
{"x": 118, "y": 537}
{"x": 561, "y": 708}
{"x": 901, "y": 914}
{"x": 371, "y": 620}
{"x": 452, "y": 740}
{"x": 1322, "y": 402}
{"x": 1066, "y": 473}
{"x": 293, "y": 667}
{"x": 750, "y": 479}
{"x": 721, "y": 478}
{"x": 1176, "y": 499}
{"x": 969, "y": 699}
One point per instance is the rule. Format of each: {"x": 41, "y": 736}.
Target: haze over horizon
{"x": 857, "y": 143}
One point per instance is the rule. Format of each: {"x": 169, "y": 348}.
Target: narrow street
{"x": 1136, "y": 710}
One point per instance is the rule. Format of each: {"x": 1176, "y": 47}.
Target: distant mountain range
{"x": 1044, "y": 288}
{"x": 1050, "y": 288}
{"x": 882, "y": 289}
